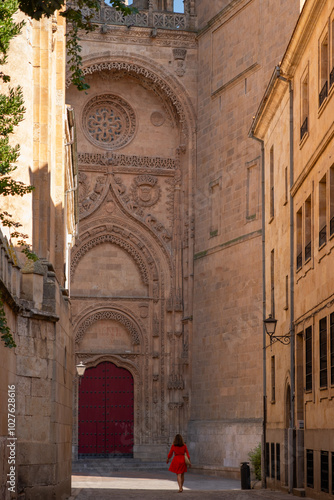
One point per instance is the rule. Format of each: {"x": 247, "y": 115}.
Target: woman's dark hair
{"x": 178, "y": 440}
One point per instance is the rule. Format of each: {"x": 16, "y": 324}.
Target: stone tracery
{"x": 108, "y": 121}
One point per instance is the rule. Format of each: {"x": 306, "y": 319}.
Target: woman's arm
{"x": 170, "y": 454}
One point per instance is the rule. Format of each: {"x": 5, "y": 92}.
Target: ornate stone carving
{"x": 83, "y": 186}
{"x": 108, "y": 121}
{"x": 175, "y": 406}
{"x": 179, "y": 57}
{"x": 104, "y": 238}
{"x": 113, "y": 315}
{"x": 155, "y": 326}
{"x": 175, "y": 381}
{"x": 157, "y": 119}
{"x": 126, "y": 160}
{"x": 88, "y": 204}
{"x": 146, "y": 74}
{"x": 145, "y": 191}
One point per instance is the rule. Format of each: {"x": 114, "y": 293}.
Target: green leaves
{"x": 5, "y": 332}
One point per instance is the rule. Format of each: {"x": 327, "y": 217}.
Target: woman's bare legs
{"x": 180, "y": 480}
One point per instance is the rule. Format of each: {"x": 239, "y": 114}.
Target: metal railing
{"x": 145, "y": 18}
{"x": 331, "y": 226}
{"x": 323, "y": 93}
{"x": 331, "y": 77}
{"x": 322, "y": 236}
{"x": 304, "y": 128}
{"x": 308, "y": 251}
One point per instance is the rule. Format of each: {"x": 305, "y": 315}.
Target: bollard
{"x": 245, "y": 476}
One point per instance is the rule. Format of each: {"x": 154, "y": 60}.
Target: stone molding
{"x": 154, "y": 74}
{"x": 105, "y": 238}
{"x": 108, "y": 314}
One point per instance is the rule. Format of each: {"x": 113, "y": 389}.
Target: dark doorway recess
{"x": 106, "y": 412}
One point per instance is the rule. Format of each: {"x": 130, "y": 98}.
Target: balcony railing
{"x": 331, "y": 226}
{"x": 322, "y": 236}
{"x": 299, "y": 260}
{"x": 331, "y": 78}
{"x": 308, "y": 251}
{"x": 304, "y": 128}
{"x": 323, "y": 93}
{"x": 107, "y": 15}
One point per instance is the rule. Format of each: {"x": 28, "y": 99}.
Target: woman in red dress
{"x": 178, "y": 464}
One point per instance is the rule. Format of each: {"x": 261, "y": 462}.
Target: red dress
{"x": 178, "y": 464}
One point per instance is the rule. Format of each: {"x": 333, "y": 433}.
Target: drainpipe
{"x": 264, "y": 364}
{"x": 291, "y": 431}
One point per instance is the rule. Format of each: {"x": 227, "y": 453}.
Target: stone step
{"x": 116, "y": 464}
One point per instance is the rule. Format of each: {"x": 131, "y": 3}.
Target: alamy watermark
{"x": 11, "y": 481}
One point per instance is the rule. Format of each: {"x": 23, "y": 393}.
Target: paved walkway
{"x": 92, "y": 483}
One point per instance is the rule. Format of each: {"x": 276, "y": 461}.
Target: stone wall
{"x": 235, "y": 64}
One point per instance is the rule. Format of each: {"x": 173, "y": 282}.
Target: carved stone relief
{"x": 108, "y": 121}
{"x": 179, "y": 57}
{"x": 114, "y": 315}
{"x": 145, "y": 190}
{"x": 175, "y": 381}
{"x": 133, "y": 161}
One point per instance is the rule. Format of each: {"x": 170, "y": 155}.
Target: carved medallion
{"x": 145, "y": 191}
{"x": 157, "y": 119}
{"x": 108, "y": 121}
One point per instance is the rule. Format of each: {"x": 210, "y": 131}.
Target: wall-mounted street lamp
{"x": 270, "y": 326}
{"x": 81, "y": 367}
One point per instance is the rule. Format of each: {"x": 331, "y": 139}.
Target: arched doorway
{"x": 106, "y": 413}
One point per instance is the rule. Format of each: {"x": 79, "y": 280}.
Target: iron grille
{"x": 309, "y": 469}
{"x": 322, "y": 236}
{"x": 304, "y": 128}
{"x": 267, "y": 459}
{"x": 331, "y": 78}
{"x": 332, "y": 472}
{"x": 272, "y": 459}
{"x": 331, "y": 224}
{"x": 323, "y": 351}
{"x": 308, "y": 359}
{"x": 332, "y": 348}
{"x": 324, "y": 471}
{"x": 323, "y": 93}
{"x": 278, "y": 461}
{"x": 308, "y": 251}
{"x": 299, "y": 260}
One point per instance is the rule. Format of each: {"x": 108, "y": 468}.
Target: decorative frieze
{"x": 133, "y": 161}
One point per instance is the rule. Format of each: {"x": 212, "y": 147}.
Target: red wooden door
{"x": 106, "y": 411}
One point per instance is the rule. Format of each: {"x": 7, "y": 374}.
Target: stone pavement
{"x": 92, "y": 481}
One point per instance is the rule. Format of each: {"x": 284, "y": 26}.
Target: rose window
{"x": 109, "y": 122}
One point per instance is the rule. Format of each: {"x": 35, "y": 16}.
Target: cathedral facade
{"x": 166, "y": 273}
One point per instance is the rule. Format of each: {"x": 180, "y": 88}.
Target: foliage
{"x": 6, "y": 335}
{"x": 255, "y": 460}
{"x": 79, "y": 15}
{"x": 11, "y": 114}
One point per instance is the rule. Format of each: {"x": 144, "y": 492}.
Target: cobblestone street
{"x": 93, "y": 480}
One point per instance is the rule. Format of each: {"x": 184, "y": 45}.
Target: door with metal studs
{"x": 106, "y": 413}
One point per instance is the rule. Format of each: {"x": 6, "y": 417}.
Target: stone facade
{"x": 39, "y": 371}
{"x": 295, "y": 123}
{"x": 234, "y": 64}
{"x": 131, "y": 270}
{"x": 178, "y": 158}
